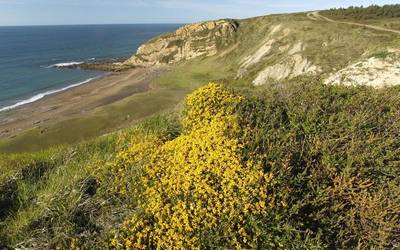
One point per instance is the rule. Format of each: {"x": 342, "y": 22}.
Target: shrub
{"x": 207, "y": 104}
{"x": 301, "y": 165}
{"x": 198, "y": 190}
{"x": 321, "y": 139}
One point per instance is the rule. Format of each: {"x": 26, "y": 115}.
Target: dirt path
{"x": 316, "y": 16}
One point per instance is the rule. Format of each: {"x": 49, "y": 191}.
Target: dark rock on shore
{"x": 117, "y": 65}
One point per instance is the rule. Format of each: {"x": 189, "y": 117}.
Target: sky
{"x": 56, "y": 12}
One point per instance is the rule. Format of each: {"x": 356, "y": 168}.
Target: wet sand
{"x": 78, "y": 101}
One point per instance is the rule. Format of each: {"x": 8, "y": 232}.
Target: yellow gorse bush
{"x": 198, "y": 188}
{"x": 211, "y": 102}
{"x": 121, "y": 172}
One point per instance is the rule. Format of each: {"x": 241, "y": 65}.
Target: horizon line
{"x": 85, "y": 24}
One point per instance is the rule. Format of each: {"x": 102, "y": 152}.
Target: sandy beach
{"x": 78, "y": 101}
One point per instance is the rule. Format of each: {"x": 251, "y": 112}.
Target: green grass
{"x": 381, "y": 55}
{"x": 390, "y": 23}
{"x": 49, "y": 197}
{"x": 195, "y": 73}
{"x": 333, "y": 152}
{"x": 387, "y": 16}
{"x": 47, "y": 188}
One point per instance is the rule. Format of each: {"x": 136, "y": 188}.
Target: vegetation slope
{"x": 281, "y": 46}
{"x": 292, "y": 164}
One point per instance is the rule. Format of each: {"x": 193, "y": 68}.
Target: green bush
{"x": 334, "y": 154}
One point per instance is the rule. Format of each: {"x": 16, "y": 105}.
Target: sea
{"x": 29, "y": 56}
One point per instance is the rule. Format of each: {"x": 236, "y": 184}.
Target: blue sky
{"x": 44, "y": 12}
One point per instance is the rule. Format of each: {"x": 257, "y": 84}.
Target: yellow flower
{"x": 114, "y": 243}
{"x": 196, "y": 183}
{"x": 128, "y": 244}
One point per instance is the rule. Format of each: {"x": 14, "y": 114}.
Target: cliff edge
{"x": 188, "y": 42}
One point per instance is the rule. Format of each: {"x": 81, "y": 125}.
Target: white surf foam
{"x": 42, "y": 95}
{"x": 64, "y": 64}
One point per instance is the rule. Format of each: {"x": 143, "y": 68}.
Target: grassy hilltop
{"x": 272, "y": 155}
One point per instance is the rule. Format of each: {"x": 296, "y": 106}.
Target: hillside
{"x": 294, "y": 144}
{"x": 277, "y": 48}
{"x": 256, "y": 51}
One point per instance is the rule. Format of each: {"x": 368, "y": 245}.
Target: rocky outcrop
{"x": 288, "y": 61}
{"x": 376, "y": 71}
{"x": 292, "y": 66}
{"x": 190, "y": 41}
{"x": 104, "y": 65}
{"x": 264, "y": 50}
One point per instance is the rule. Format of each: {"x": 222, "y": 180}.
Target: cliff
{"x": 188, "y": 42}
{"x": 276, "y": 48}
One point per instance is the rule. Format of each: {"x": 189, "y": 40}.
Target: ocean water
{"x": 28, "y": 56}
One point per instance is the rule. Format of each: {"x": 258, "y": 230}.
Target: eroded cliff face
{"x": 277, "y": 58}
{"x": 375, "y": 71}
{"x": 188, "y": 42}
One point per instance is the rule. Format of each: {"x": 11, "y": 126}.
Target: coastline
{"x": 77, "y": 100}
{"x": 42, "y": 95}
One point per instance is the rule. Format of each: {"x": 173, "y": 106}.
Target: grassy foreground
{"x": 298, "y": 166}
